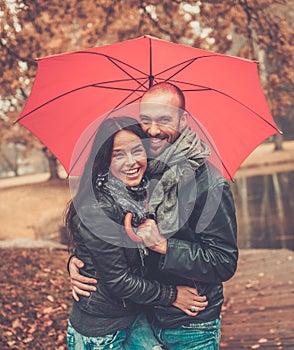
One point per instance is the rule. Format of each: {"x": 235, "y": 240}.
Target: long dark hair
{"x": 99, "y": 161}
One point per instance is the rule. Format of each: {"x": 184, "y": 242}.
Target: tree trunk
{"x": 53, "y": 164}
{"x": 52, "y": 161}
{"x": 278, "y": 141}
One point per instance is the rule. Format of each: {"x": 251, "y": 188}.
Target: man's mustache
{"x": 159, "y": 137}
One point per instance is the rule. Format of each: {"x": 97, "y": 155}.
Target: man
{"x": 202, "y": 252}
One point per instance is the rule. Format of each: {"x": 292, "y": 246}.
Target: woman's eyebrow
{"x": 139, "y": 145}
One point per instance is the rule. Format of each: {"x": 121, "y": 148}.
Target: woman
{"x": 113, "y": 184}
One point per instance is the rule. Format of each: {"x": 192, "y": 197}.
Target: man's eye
{"x": 164, "y": 120}
{"x": 138, "y": 150}
{"x": 145, "y": 121}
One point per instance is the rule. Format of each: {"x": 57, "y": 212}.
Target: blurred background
{"x": 34, "y": 287}
{"x": 258, "y": 30}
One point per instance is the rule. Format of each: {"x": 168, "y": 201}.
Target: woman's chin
{"x": 133, "y": 182}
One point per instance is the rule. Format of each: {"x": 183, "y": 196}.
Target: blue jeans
{"x": 196, "y": 336}
{"x": 138, "y": 336}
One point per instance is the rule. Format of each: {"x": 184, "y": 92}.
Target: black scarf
{"x": 129, "y": 198}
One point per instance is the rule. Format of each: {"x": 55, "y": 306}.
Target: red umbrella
{"x": 223, "y": 95}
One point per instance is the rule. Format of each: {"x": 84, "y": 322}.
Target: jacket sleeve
{"x": 211, "y": 256}
{"x": 100, "y": 235}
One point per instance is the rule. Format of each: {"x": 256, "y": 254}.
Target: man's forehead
{"x": 157, "y": 109}
{"x": 168, "y": 97}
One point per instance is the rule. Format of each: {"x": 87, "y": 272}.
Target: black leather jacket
{"x": 203, "y": 253}
{"x": 102, "y": 244}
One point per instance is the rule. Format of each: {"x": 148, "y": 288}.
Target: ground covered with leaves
{"x": 35, "y": 299}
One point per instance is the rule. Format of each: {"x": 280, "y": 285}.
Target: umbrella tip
{"x": 150, "y": 37}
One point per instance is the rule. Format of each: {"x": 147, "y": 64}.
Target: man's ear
{"x": 183, "y": 120}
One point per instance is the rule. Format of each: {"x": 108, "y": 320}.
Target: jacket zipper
{"x": 195, "y": 285}
{"x": 124, "y": 303}
{"x": 143, "y": 251}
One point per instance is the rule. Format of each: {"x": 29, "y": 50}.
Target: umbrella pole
{"x": 151, "y": 76}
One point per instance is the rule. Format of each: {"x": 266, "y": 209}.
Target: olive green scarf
{"x": 175, "y": 167}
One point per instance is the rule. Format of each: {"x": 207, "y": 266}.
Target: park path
{"x": 262, "y": 160}
{"x": 259, "y": 302}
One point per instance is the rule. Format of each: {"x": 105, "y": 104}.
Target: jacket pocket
{"x": 96, "y": 305}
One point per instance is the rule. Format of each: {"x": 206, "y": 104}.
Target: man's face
{"x": 160, "y": 119}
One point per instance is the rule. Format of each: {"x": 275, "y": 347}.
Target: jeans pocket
{"x": 200, "y": 335}
{"x": 109, "y": 341}
{"x": 205, "y": 326}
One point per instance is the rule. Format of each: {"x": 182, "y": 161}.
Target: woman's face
{"x": 129, "y": 160}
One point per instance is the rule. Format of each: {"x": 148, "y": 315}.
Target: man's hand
{"x": 80, "y": 284}
{"x": 189, "y": 301}
{"x": 149, "y": 232}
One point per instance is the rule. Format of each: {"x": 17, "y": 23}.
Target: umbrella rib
{"x": 115, "y": 88}
{"x": 201, "y": 87}
{"x": 128, "y": 96}
{"x": 112, "y": 59}
{"x": 212, "y": 146}
{"x": 189, "y": 62}
{"x": 106, "y": 116}
{"x": 124, "y": 99}
{"x": 121, "y": 80}
{"x": 123, "y": 70}
{"x": 115, "y": 61}
{"x": 206, "y": 88}
{"x": 71, "y": 91}
{"x": 242, "y": 104}
{"x": 82, "y": 151}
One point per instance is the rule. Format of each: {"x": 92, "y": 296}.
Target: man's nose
{"x": 153, "y": 130}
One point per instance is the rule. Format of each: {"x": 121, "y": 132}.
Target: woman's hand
{"x": 80, "y": 284}
{"x": 188, "y": 298}
{"x": 149, "y": 232}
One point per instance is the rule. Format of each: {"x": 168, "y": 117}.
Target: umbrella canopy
{"x": 223, "y": 95}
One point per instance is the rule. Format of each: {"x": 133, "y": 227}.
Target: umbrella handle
{"x": 129, "y": 230}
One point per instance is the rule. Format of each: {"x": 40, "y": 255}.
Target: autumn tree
{"x": 34, "y": 29}
{"x": 260, "y": 30}
{"x": 249, "y": 28}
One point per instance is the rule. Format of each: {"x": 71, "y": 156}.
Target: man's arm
{"x": 81, "y": 285}
{"x": 211, "y": 258}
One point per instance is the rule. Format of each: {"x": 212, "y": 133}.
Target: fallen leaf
{"x": 50, "y": 298}
{"x": 262, "y": 340}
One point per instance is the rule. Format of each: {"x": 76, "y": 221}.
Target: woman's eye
{"x": 118, "y": 155}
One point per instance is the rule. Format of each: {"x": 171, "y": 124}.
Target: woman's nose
{"x": 130, "y": 160}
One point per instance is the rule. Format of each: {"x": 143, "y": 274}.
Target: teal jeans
{"x": 196, "y": 336}
{"x": 138, "y": 336}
